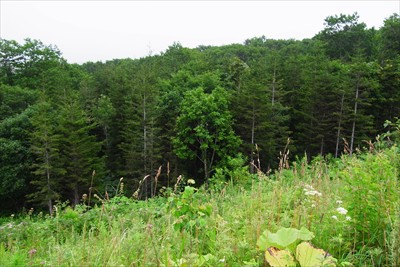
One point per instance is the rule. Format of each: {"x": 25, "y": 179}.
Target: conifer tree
{"x": 79, "y": 151}
{"x": 140, "y": 144}
{"x": 45, "y": 143}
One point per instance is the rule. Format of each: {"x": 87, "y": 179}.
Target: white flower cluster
{"x": 310, "y": 191}
{"x": 341, "y": 211}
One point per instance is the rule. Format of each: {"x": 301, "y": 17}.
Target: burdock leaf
{"x": 284, "y": 238}
{"x": 279, "y": 258}
{"x": 305, "y": 234}
{"x": 309, "y": 256}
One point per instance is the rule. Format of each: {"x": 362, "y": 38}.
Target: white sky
{"x": 104, "y": 30}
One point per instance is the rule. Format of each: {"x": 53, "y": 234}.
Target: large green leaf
{"x": 277, "y": 258}
{"x": 304, "y": 234}
{"x": 283, "y": 238}
{"x": 309, "y": 256}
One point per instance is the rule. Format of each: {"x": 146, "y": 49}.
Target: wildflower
{"x": 339, "y": 202}
{"x": 313, "y": 193}
{"x": 334, "y": 217}
{"x": 191, "y": 181}
{"x": 310, "y": 191}
{"x": 342, "y": 210}
{"x": 348, "y": 218}
{"x": 308, "y": 187}
{"x": 32, "y": 252}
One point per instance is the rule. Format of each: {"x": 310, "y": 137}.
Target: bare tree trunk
{"x": 47, "y": 159}
{"x": 151, "y": 156}
{"x": 339, "y": 125}
{"x": 50, "y": 204}
{"x": 145, "y": 142}
{"x": 273, "y": 86}
{"x": 322, "y": 147}
{"x": 206, "y": 174}
{"x": 252, "y": 141}
{"x": 355, "y": 114}
{"x": 76, "y": 196}
{"x": 206, "y": 166}
{"x": 49, "y": 201}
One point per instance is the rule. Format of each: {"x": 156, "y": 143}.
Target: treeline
{"x": 68, "y": 129}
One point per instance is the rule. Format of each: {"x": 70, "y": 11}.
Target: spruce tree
{"x": 45, "y": 144}
{"x": 79, "y": 151}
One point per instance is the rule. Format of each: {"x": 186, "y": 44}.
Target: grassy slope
{"x": 221, "y": 228}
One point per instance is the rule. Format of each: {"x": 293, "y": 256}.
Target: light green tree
{"x": 204, "y": 129}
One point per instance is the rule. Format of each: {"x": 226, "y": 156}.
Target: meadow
{"x": 350, "y": 205}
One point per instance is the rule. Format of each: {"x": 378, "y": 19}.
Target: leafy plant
{"x": 283, "y": 249}
{"x": 233, "y": 169}
{"x": 189, "y": 210}
{"x": 372, "y": 193}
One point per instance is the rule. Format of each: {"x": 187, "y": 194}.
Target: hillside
{"x": 68, "y": 129}
{"x": 350, "y": 204}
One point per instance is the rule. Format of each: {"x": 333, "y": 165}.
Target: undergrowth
{"x": 351, "y": 205}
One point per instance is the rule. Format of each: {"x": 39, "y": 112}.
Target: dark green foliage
{"x": 14, "y": 100}
{"x": 345, "y": 36}
{"x": 45, "y": 145}
{"x": 14, "y": 159}
{"x": 390, "y": 37}
{"x": 79, "y": 152}
{"x": 189, "y": 110}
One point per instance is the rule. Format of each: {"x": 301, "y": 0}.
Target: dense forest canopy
{"x": 66, "y": 129}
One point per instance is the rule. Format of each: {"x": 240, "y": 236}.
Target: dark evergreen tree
{"x": 345, "y": 36}
{"x": 79, "y": 151}
{"x": 45, "y": 144}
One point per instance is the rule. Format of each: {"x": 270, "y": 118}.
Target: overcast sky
{"x": 104, "y": 30}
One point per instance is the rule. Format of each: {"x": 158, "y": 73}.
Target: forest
{"x": 74, "y": 130}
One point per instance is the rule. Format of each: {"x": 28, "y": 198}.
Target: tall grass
{"x": 351, "y": 204}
